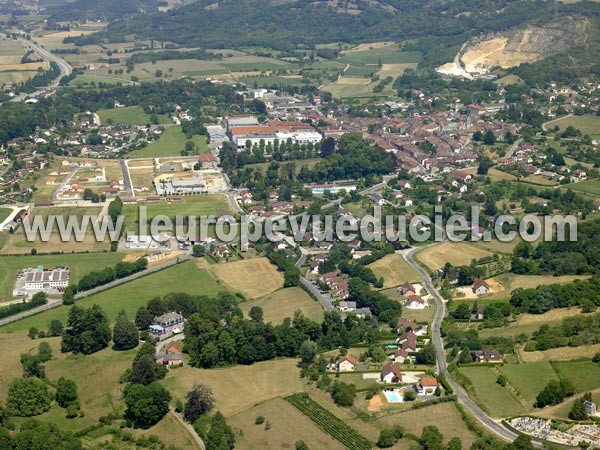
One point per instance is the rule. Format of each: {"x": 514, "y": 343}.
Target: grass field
{"x": 18, "y": 244}
{"x": 456, "y": 253}
{"x": 413, "y": 421}
{"x": 591, "y": 187}
{"x": 528, "y": 379}
{"x": 497, "y": 399}
{"x": 389, "y": 54}
{"x": 80, "y": 265}
{"x": 171, "y": 142}
{"x": 185, "y": 277}
{"x": 253, "y": 277}
{"x": 584, "y": 374}
{"x": 560, "y": 353}
{"x": 587, "y": 124}
{"x": 241, "y": 387}
{"x": 394, "y": 270}
{"x": 511, "y": 281}
{"x": 287, "y": 425}
{"x": 4, "y": 213}
{"x": 129, "y": 115}
{"x": 528, "y": 323}
{"x": 197, "y": 205}
{"x": 284, "y": 303}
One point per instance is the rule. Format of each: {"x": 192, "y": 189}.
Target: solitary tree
{"x": 146, "y": 405}
{"x": 125, "y": 333}
{"x": 199, "y": 400}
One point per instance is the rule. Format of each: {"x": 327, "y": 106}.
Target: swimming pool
{"x": 393, "y": 396}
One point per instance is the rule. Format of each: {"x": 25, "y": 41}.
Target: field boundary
{"x": 329, "y": 423}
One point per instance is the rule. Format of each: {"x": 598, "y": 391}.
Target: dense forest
{"x": 101, "y": 10}
{"x": 288, "y": 25}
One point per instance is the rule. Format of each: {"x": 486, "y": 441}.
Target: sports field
{"x": 170, "y": 143}
{"x": 197, "y": 205}
{"x": 19, "y": 244}
{"x": 456, "y": 253}
{"x": 185, "y": 277}
{"x": 394, "y": 269}
{"x": 284, "y": 303}
{"x": 80, "y": 265}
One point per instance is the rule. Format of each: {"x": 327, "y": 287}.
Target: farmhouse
{"x": 42, "y": 279}
{"x": 391, "y": 373}
{"x": 480, "y": 287}
{"x": 407, "y": 289}
{"x": 166, "y": 325}
{"x": 426, "y": 386}
{"x": 172, "y": 355}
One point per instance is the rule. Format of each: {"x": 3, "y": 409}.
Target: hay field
{"x": 287, "y": 425}
{"x": 456, "y": 253}
{"x": 560, "y": 354}
{"x": 252, "y": 277}
{"x": 413, "y": 421}
{"x": 512, "y": 281}
{"x": 238, "y": 388}
{"x": 394, "y": 269}
{"x": 528, "y": 323}
{"x": 284, "y": 303}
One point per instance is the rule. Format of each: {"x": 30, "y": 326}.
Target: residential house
{"x": 489, "y": 355}
{"x": 426, "y": 386}
{"x": 407, "y": 289}
{"x": 480, "y": 287}
{"x": 415, "y": 302}
{"x": 347, "y": 364}
{"x": 404, "y": 325}
{"x": 391, "y": 373}
{"x": 166, "y": 325}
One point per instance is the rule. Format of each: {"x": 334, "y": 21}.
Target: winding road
{"x": 492, "y": 425}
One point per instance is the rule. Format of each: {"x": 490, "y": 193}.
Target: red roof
{"x": 207, "y": 158}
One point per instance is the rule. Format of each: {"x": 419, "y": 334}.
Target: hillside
{"x": 516, "y": 46}
{"x": 101, "y": 9}
{"x": 292, "y": 24}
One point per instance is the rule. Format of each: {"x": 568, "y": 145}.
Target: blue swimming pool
{"x": 393, "y": 396}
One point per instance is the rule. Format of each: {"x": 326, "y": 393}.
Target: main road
{"x": 492, "y": 425}
{"x": 64, "y": 67}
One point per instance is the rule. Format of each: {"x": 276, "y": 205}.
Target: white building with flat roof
{"x": 40, "y": 278}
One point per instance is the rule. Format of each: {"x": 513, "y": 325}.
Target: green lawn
{"x": 4, "y": 213}
{"x": 130, "y": 115}
{"x": 587, "y": 187}
{"x": 199, "y": 205}
{"x": 386, "y": 55}
{"x": 529, "y": 379}
{"x": 583, "y": 373}
{"x": 88, "y": 80}
{"x": 587, "y": 124}
{"x": 185, "y": 277}
{"x": 170, "y": 143}
{"x": 81, "y": 264}
{"x": 497, "y": 399}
